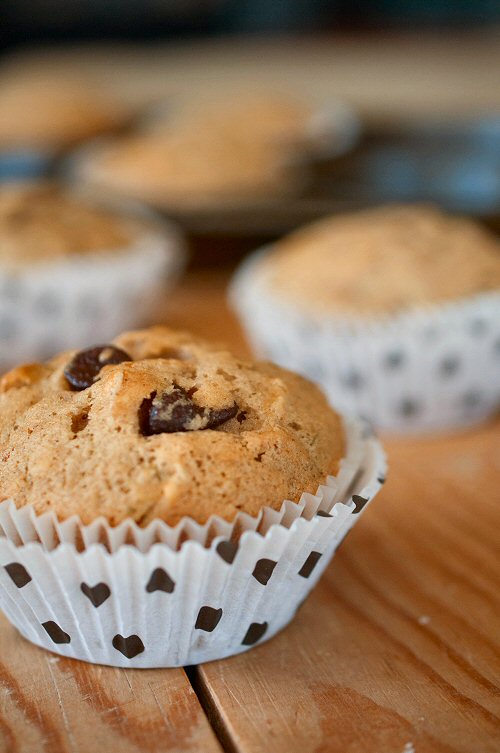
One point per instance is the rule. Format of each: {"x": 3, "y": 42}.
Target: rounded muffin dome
{"x": 160, "y": 424}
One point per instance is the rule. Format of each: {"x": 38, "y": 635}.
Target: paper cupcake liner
{"x": 424, "y": 370}
{"x": 85, "y": 298}
{"x": 164, "y": 597}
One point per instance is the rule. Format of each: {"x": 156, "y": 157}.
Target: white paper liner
{"x": 423, "y": 370}
{"x": 86, "y": 298}
{"x": 43, "y": 565}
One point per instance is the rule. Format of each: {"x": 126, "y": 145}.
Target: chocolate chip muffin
{"x": 159, "y": 424}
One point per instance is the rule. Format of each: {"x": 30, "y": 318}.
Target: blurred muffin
{"x": 395, "y": 311}
{"x": 192, "y": 167}
{"x": 72, "y": 271}
{"x": 268, "y": 117}
{"x": 40, "y": 117}
{"x": 205, "y": 151}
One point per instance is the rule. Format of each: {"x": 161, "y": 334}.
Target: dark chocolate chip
{"x": 227, "y": 550}
{"x": 323, "y": 514}
{"x": 359, "y": 503}
{"x": 18, "y": 573}
{"x": 254, "y": 633}
{"x": 130, "y": 646}
{"x": 263, "y": 570}
{"x": 175, "y": 411}
{"x": 309, "y": 565}
{"x": 208, "y": 619}
{"x": 381, "y": 479}
{"x": 98, "y": 594}
{"x": 82, "y": 371}
{"x": 56, "y": 633}
{"x": 160, "y": 580}
{"x": 241, "y": 416}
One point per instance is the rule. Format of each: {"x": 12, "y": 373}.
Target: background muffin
{"x": 395, "y": 311}
{"x": 235, "y": 149}
{"x": 72, "y": 271}
{"x": 62, "y": 112}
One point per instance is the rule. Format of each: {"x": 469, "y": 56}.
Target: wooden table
{"x": 396, "y": 651}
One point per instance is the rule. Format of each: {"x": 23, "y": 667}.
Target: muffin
{"x": 71, "y": 270}
{"x": 205, "y": 152}
{"x": 62, "y": 113}
{"x": 394, "y": 311}
{"x": 144, "y": 487}
{"x": 191, "y": 168}
{"x": 314, "y": 128}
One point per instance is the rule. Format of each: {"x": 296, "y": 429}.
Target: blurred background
{"x": 418, "y": 83}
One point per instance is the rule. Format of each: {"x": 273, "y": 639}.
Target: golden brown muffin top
{"x": 192, "y": 166}
{"x": 258, "y": 117}
{"x": 383, "y": 261}
{"x": 53, "y": 113}
{"x": 38, "y": 222}
{"x": 160, "y": 424}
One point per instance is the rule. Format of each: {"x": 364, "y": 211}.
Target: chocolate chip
{"x": 175, "y": 411}
{"x": 160, "y": 580}
{"x": 381, "y": 479}
{"x": 254, "y": 633}
{"x": 130, "y": 646}
{"x": 208, "y": 619}
{"x": 98, "y": 594}
{"x": 241, "y": 416}
{"x": 227, "y": 550}
{"x": 309, "y": 565}
{"x": 18, "y": 573}
{"x": 263, "y": 570}
{"x": 55, "y": 632}
{"x": 82, "y": 370}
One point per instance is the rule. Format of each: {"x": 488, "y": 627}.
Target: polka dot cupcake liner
{"x": 424, "y": 370}
{"x": 86, "y": 298}
{"x": 164, "y": 597}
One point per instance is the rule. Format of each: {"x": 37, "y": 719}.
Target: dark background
{"x": 24, "y": 22}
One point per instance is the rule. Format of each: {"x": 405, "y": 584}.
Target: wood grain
{"x": 49, "y": 704}
{"x": 396, "y": 651}
{"x": 398, "y": 648}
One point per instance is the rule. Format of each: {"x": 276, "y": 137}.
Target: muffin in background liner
{"x": 88, "y": 297}
{"x": 423, "y": 370}
{"x": 163, "y": 596}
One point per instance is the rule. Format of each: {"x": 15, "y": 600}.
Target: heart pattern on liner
{"x": 98, "y": 594}
{"x": 130, "y": 647}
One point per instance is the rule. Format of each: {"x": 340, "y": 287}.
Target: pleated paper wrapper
{"x": 86, "y": 298}
{"x": 424, "y": 370}
{"x": 164, "y": 597}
